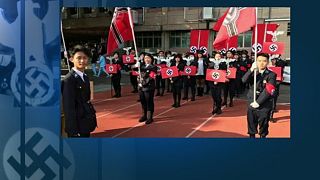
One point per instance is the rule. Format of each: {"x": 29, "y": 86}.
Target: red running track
{"x": 118, "y": 117}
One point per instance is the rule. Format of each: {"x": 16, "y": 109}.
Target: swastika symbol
{"x": 204, "y": 49}
{"x": 38, "y": 84}
{"x": 273, "y": 47}
{"x": 42, "y": 156}
{"x": 128, "y": 59}
{"x": 193, "y": 49}
{"x": 259, "y": 47}
{"x": 188, "y": 70}
{"x": 215, "y": 75}
{"x": 111, "y": 68}
{"x": 228, "y": 72}
{"x": 169, "y": 72}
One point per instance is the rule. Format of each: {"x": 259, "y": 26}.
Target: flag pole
{"x": 134, "y": 40}
{"x": 199, "y": 37}
{"x": 255, "y": 58}
{"x": 64, "y": 46}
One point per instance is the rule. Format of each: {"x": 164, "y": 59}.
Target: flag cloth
{"x": 169, "y": 72}
{"x": 216, "y": 75}
{"x": 189, "y": 71}
{"x": 231, "y": 73}
{"x": 278, "y": 71}
{"x": 237, "y": 20}
{"x": 120, "y": 30}
{"x": 273, "y": 47}
{"x": 128, "y": 59}
{"x": 229, "y": 44}
{"x": 135, "y": 73}
{"x": 112, "y": 68}
{"x": 199, "y": 40}
{"x": 219, "y": 22}
{"x": 266, "y": 33}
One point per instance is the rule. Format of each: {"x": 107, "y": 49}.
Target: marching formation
{"x": 225, "y": 74}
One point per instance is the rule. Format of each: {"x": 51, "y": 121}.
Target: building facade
{"x": 167, "y": 28}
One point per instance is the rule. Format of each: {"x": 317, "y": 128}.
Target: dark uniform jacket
{"x": 178, "y": 81}
{"x": 76, "y": 104}
{"x": 266, "y": 83}
{"x": 147, "y": 79}
{"x": 221, "y": 66}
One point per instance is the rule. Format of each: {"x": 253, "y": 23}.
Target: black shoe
{"x": 134, "y": 91}
{"x": 193, "y": 99}
{"x": 231, "y": 104}
{"x": 178, "y": 105}
{"x": 173, "y": 105}
{"x": 158, "y": 93}
{"x": 252, "y": 135}
{"x": 138, "y": 100}
{"x": 115, "y": 96}
{"x": 184, "y": 98}
{"x": 224, "y": 104}
{"x": 263, "y": 136}
{"x": 149, "y": 117}
{"x": 218, "y": 111}
{"x": 143, "y": 118}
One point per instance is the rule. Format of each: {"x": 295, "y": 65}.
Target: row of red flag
{"x": 211, "y": 74}
{"x": 236, "y": 20}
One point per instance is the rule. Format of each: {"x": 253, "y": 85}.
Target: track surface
{"x": 118, "y": 117}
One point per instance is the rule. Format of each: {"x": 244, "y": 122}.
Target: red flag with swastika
{"x": 120, "y": 30}
{"x": 216, "y": 75}
{"x": 199, "y": 40}
{"x": 273, "y": 47}
{"x": 112, "y": 68}
{"x": 266, "y": 33}
{"x": 169, "y": 72}
{"x": 237, "y": 20}
{"x": 219, "y": 22}
{"x": 189, "y": 71}
{"x": 278, "y": 71}
{"x": 229, "y": 44}
{"x": 128, "y": 59}
{"x": 231, "y": 73}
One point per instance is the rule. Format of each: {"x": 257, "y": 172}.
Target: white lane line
{"x": 139, "y": 124}
{"x": 202, "y": 124}
{"x": 118, "y": 110}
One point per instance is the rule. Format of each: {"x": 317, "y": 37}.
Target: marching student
{"x": 241, "y": 70}
{"x": 133, "y": 79}
{"x": 229, "y": 86}
{"x": 116, "y": 78}
{"x": 276, "y": 62}
{"x": 201, "y": 71}
{"x": 147, "y": 88}
{"x": 168, "y": 55}
{"x": 259, "y": 111}
{"x": 190, "y": 81}
{"x": 80, "y": 117}
{"x": 216, "y": 87}
{"x": 160, "y": 83}
{"x": 177, "y": 82}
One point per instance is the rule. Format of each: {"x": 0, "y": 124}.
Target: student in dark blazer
{"x": 177, "y": 82}
{"x": 116, "y": 78}
{"x": 80, "y": 118}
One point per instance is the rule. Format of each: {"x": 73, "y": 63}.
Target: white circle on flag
{"x": 228, "y": 72}
{"x": 193, "y": 49}
{"x": 204, "y": 49}
{"x": 259, "y": 48}
{"x": 215, "y": 75}
{"x": 111, "y": 68}
{"x": 169, "y": 72}
{"x": 128, "y": 59}
{"x": 273, "y": 47}
{"x": 188, "y": 70}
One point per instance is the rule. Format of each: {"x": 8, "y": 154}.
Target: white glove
{"x": 137, "y": 64}
{"x": 65, "y": 53}
{"x": 254, "y": 104}
{"x": 254, "y": 66}
{"x": 140, "y": 85}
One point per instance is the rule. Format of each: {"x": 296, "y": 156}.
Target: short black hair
{"x": 149, "y": 55}
{"x": 232, "y": 52}
{"x": 178, "y": 56}
{"x": 80, "y": 48}
{"x": 263, "y": 55}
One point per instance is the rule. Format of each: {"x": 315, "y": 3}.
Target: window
{"x": 288, "y": 29}
{"x": 179, "y": 39}
{"x": 245, "y": 39}
{"x": 148, "y": 39}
